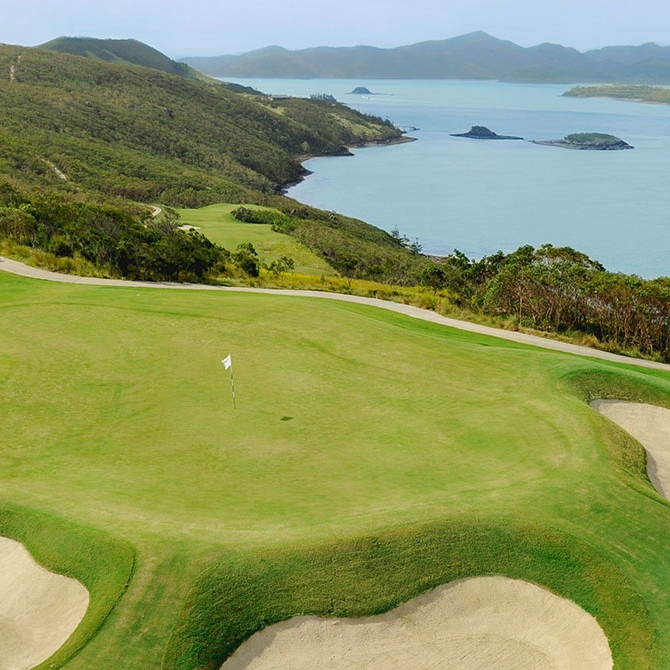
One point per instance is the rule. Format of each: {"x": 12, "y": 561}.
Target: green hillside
{"x": 371, "y": 457}
{"x": 147, "y": 135}
{"x": 81, "y": 133}
{"x": 130, "y": 52}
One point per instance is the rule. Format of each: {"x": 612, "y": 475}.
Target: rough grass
{"x": 371, "y": 457}
{"x": 216, "y": 222}
{"x": 279, "y": 584}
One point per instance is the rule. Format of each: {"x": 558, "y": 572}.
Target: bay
{"x": 482, "y": 196}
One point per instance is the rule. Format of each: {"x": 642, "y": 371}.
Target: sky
{"x": 181, "y": 28}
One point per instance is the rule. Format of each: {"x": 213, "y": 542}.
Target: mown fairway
{"x": 217, "y": 223}
{"x": 370, "y": 457}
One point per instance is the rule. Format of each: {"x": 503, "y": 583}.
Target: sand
{"x": 650, "y": 426}
{"x": 39, "y": 610}
{"x": 471, "y": 624}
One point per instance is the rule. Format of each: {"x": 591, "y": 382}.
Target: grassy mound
{"x": 371, "y": 457}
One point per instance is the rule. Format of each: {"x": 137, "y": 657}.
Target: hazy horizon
{"x": 205, "y": 28}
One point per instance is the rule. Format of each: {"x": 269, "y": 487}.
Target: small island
{"x": 361, "y": 90}
{"x": 588, "y": 141}
{"x": 483, "y": 133}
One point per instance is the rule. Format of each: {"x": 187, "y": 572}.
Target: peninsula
{"x": 483, "y": 133}
{"x": 634, "y": 92}
{"x": 588, "y": 141}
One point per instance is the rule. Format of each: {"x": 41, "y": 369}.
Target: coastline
{"x": 304, "y": 172}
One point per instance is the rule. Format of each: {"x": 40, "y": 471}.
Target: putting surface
{"x": 118, "y": 406}
{"x": 355, "y": 430}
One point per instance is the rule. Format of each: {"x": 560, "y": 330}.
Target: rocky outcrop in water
{"x": 483, "y": 133}
{"x": 588, "y": 141}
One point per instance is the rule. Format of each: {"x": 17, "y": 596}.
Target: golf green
{"x": 369, "y": 457}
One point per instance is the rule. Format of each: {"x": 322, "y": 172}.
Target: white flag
{"x": 227, "y": 362}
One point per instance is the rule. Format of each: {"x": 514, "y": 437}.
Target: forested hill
{"x": 148, "y": 135}
{"x": 472, "y": 56}
{"x": 130, "y": 52}
{"x": 83, "y": 141}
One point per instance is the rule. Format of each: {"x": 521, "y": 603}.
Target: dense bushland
{"x": 145, "y": 134}
{"x": 114, "y": 238}
{"x": 558, "y": 289}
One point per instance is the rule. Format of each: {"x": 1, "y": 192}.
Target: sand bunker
{"x": 39, "y": 610}
{"x": 470, "y": 624}
{"x": 650, "y": 426}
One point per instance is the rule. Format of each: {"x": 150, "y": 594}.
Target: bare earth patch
{"x": 470, "y": 624}
{"x": 650, "y": 426}
{"x": 39, "y": 610}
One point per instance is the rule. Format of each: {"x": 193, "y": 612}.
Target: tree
{"x": 433, "y": 277}
{"x": 246, "y": 259}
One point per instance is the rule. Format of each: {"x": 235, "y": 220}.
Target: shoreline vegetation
{"x": 283, "y": 189}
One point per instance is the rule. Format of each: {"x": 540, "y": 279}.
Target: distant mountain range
{"x": 473, "y": 56}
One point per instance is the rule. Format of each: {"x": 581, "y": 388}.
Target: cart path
{"x": 15, "y": 267}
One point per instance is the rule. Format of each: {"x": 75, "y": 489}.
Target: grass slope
{"x": 371, "y": 457}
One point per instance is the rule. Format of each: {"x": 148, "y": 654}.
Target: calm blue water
{"x": 482, "y": 196}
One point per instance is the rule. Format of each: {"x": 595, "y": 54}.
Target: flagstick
{"x": 228, "y": 363}
{"x": 232, "y": 386}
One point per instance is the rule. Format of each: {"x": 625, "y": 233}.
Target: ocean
{"x": 482, "y": 196}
